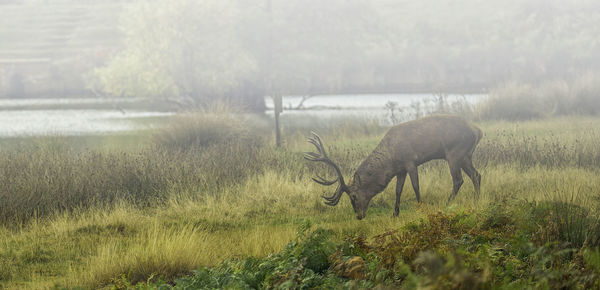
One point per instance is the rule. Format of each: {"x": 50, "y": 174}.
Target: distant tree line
{"x": 197, "y": 52}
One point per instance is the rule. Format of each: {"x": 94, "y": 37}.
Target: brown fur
{"x": 408, "y": 145}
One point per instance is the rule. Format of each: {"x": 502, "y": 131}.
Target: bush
{"x": 585, "y": 94}
{"x": 516, "y": 101}
{"x": 555, "y": 97}
{"x": 203, "y": 130}
{"x": 489, "y": 249}
{"x": 298, "y": 266}
{"x": 511, "y": 102}
{"x": 563, "y": 222}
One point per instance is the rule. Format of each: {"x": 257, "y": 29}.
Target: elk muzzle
{"x": 360, "y": 215}
{"x": 360, "y": 204}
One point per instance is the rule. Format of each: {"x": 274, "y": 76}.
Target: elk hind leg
{"x": 400, "y": 178}
{"x": 475, "y": 177}
{"x": 414, "y": 179}
{"x": 457, "y": 180}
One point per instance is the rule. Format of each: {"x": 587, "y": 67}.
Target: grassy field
{"x": 209, "y": 192}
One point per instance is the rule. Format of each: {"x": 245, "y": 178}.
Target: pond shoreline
{"x": 98, "y": 116}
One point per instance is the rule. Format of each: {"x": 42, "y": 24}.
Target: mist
{"x": 237, "y": 144}
{"x": 240, "y": 51}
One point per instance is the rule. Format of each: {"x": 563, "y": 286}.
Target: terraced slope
{"x": 46, "y": 47}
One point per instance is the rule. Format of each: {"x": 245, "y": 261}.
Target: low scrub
{"x": 512, "y": 102}
{"x": 585, "y": 95}
{"x": 446, "y": 250}
{"x": 515, "y": 101}
{"x": 202, "y": 130}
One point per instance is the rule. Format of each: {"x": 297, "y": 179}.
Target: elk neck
{"x": 375, "y": 172}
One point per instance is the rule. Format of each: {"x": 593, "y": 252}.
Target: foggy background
{"x": 236, "y": 51}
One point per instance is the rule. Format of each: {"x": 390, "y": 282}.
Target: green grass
{"x": 79, "y": 215}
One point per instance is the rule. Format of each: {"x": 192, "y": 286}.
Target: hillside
{"x": 47, "y": 47}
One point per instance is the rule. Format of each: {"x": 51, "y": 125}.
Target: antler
{"x": 321, "y": 156}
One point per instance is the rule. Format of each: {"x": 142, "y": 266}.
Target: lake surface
{"x": 72, "y": 122}
{"x": 367, "y": 101}
{"x": 370, "y": 106}
{"x": 17, "y": 103}
{"x": 17, "y": 120}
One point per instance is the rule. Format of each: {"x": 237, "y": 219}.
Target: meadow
{"x": 208, "y": 201}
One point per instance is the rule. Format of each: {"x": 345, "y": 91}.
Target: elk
{"x": 403, "y": 148}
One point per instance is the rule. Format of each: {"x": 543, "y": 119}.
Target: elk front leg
{"x": 400, "y": 178}
{"x": 414, "y": 179}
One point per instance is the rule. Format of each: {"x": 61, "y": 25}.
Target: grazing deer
{"x": 403, "y": 148}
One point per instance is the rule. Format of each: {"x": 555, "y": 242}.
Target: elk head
{"x": 358, "y": 199}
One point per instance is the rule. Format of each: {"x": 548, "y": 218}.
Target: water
{"x": 16, "y": 103}
{"x": 373, "y": 106}
{"x": 70, "y": 122}
{"x": 87, "y": 120}
{"x": 365, "y": 101}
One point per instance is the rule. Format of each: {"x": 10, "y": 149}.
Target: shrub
{"x": 298, "y": 266}
{"x": 563, "y": 222}
{"x": 585, "y": 94}
{"x": 445, "y": 251}
{"x": 516, "y": 101}
{"x": 404, "y": 246}
{"x": 511, "y": 102}
{"x": 555, "y": 97}
{"x": 203, "y": 130}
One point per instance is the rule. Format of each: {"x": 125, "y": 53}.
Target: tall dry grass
{"x": 198, "y": 154}
{"x": 176, "y": 208}
{"x": 49, "y": 176}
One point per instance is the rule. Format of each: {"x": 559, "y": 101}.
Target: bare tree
{"x": 300, "y": 105}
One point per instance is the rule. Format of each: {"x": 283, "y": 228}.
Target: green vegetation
{"x": 515, "y": 246}
{"x": 178, "y": 209}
